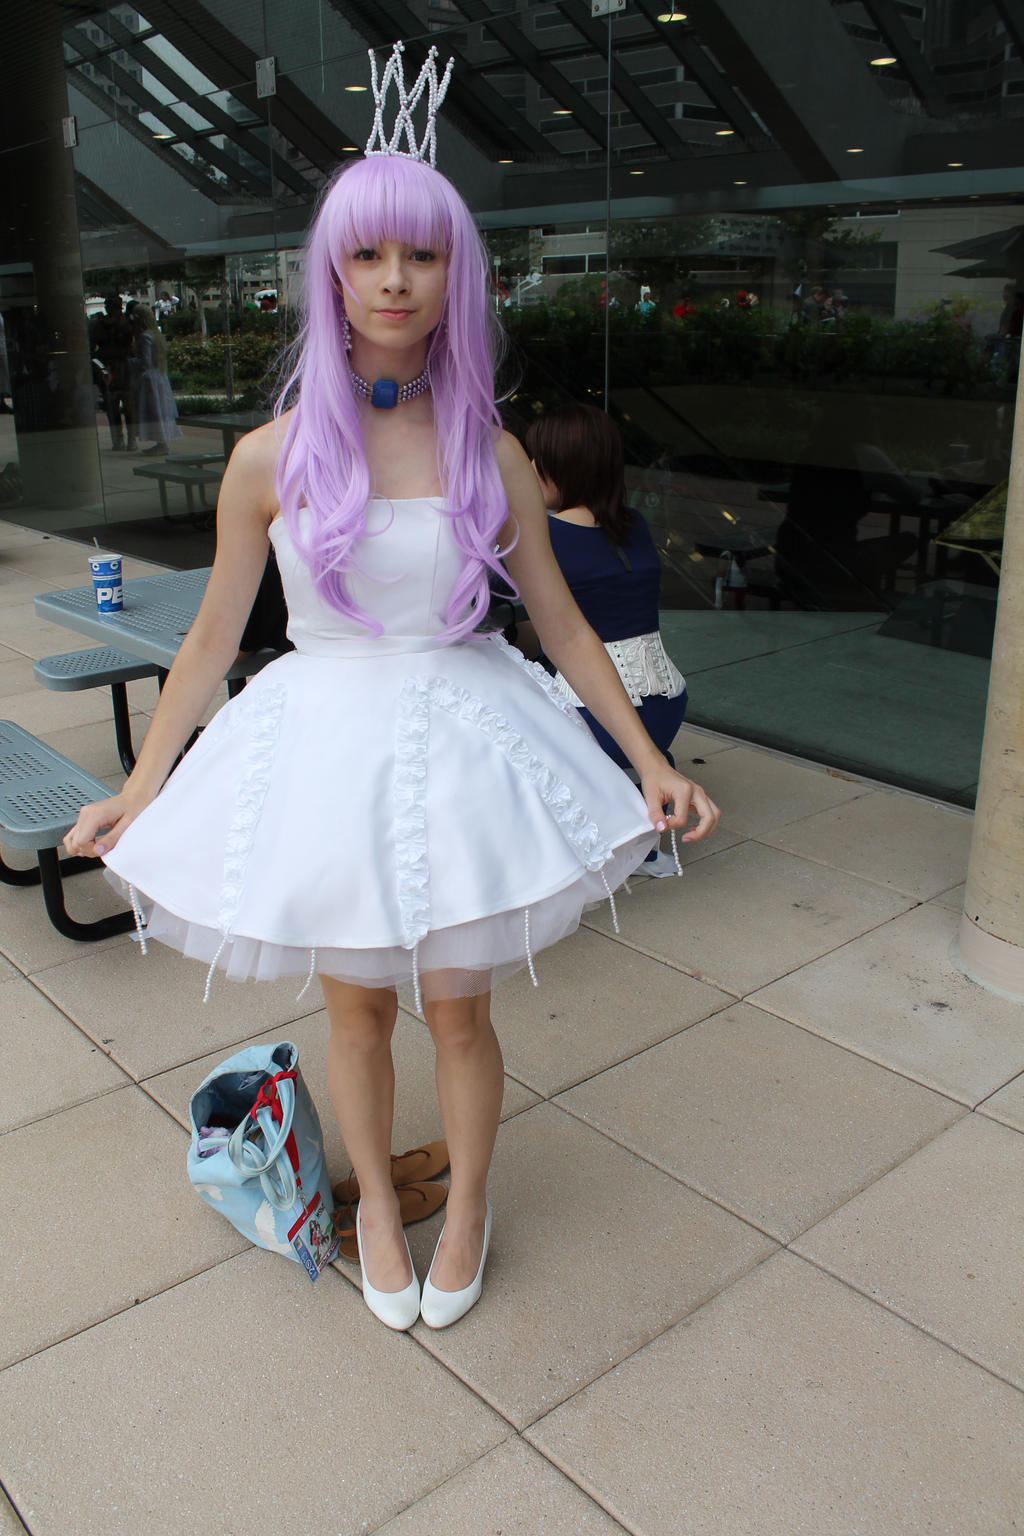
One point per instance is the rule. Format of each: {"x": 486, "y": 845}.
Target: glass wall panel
{"x": 796, "y": 290}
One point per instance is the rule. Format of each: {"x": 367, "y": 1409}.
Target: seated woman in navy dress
{"x": 609, "y": 561}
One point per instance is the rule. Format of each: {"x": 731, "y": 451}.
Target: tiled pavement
{"x": 757, "y": 1263}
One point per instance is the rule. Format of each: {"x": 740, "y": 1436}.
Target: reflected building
{"x": 778, "y": 245}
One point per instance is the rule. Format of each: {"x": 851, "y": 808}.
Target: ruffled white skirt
{"x": 436, "y": 816}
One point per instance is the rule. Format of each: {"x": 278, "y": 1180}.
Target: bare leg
{"x": 470, "y": 1083}
{"x": 361, "y": 1080}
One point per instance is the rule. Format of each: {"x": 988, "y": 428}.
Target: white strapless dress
{"x": 386, "y": 809}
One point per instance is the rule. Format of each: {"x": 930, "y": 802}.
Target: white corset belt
{"x": 644, "y": 666}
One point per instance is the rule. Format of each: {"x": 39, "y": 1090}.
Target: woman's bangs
{"x": 389, "y": 203}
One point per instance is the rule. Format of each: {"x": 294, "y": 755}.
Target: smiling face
{"x": 394, "y": 295}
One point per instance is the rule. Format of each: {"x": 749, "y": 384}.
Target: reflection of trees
{"x": 510, "y": 248}
{"x": 659, "y": 251}
{"x": 805, "y": 244}
{"x": 812, "y": 246}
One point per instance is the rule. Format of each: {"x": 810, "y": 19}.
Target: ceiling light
{"x": 739, "y": 183}
{"x": 672, "y": 16}
{"x": 353, "y": 148}
{"x": 509, "y": 161}
{"x": 954, "y": 165}
{"x": 724, "y": 133}
{"x": 562, "y": 112}
{"x": 636, "y": 173}
{"x": 888, "y": 59}
{"x": 163, "y": 135}
{"x": 356, "y": 87}
{"x": 855, "y": 150}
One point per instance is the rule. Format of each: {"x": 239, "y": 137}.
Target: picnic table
{"x": 231, "y": 424}
{"x": 158, "y": 613}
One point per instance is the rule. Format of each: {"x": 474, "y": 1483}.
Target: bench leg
{"x": 50, "y": 872}
{"x": 123, "y": 726}
{"x": 32, "y": 876}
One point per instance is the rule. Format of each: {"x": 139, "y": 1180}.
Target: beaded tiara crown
{"x": 408, "y": 99}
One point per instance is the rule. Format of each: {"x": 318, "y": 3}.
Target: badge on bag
{"x": 313, "y": 1237}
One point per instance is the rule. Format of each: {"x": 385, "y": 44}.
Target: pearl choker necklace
{"x": 385, "y": 394}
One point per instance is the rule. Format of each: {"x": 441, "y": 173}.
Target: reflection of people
{"x": 684, "y": 308}
{"x": 110, "y": 340}
{"x": 156, "y": 414}
{"x": 1005, "y": 345}
{"x": 1011, "y": 317}
{"x": 646, "y": 304}
{"x": 400, "y": 800}
{"x": 819, "y": 549}
{"x": 5, "y": 373}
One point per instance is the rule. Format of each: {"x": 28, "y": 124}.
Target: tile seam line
{"x": 475, "y": 1462}
{"x": 612, "y": 1365}
{"x": 5, "y": 1492}
{"x": 720, "y": 1202}
{"x": 92, "y": 1098}
{"x": 762, "y": 838}
{"x": 750, "y": 996}
{"x": 676, "y": 1178}
{"x": 173, "y": 1066}
{"x": 143, "y": 1301}
{"x": 653, "y": 1338}
{"x": 549, "y": 1097}
{"x": 894, "y": 1311}
{"x": 877, "y": 1178}
{"x": 677, "y": 965}
{"x": 591, "y": 1491}
{"x": 979, "y": 1108}
{"x": 862, "y": 1055}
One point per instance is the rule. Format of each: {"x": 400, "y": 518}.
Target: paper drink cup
{"x": 106, "y": 581}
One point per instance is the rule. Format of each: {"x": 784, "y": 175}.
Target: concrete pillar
{"x": 41, "y": 291}
{"x": 990, "y": 944}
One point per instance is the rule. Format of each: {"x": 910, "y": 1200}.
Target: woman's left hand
{"x": 672, "y": 801}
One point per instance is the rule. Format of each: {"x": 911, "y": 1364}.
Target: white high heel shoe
{"x": 398, "y": 1309}
{"x": 439, "y": 1308}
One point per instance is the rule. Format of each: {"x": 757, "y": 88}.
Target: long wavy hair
{"x": 322, "y": 466}
{"x": 144, "y": 320}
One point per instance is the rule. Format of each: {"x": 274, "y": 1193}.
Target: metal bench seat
{"x": 195, "y": 460}
{"x": 97, "y": 667}
{"x": 41, "y": 793}
{"x": 188, "y": 475}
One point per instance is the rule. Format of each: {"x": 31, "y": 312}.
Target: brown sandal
{"x": 410, "y": 1167}
{"x": 416, "y": 1202}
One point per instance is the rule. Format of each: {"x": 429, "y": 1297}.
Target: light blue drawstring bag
{"x": 257, "y": 1154}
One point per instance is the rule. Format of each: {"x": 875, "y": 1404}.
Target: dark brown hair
{"x": 579, "y": 449}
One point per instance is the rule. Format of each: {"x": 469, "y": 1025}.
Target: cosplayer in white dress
{"x": 401, "y": 798}
{"x": 385, "y": 808}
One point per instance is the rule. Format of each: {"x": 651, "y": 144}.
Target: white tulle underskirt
{"x": 435, "y": 818}
{"x": 461, "y": 961}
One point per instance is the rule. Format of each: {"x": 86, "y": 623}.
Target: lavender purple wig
{"x": 322, "y": 465}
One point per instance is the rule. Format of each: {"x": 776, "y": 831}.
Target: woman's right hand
{"x": 100, "y": 825}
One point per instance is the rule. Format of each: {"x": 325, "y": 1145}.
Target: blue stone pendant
{"x": 384, "y": 394}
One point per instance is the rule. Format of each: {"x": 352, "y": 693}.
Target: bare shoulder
{"x": 516, "y": 473}
{"x": 251, "y": 474}
{"x": 511, "y": 456}
{"x": 259, "y": 449}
